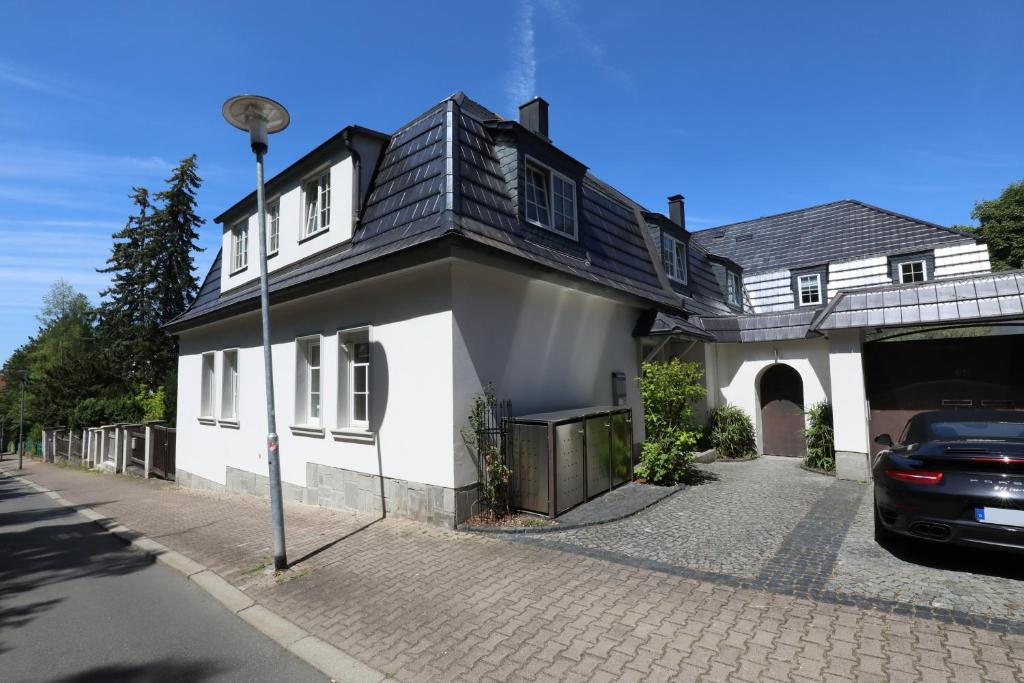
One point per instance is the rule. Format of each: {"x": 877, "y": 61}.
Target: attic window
{"x": 734, "y": 290}
{"x": 913, "y": 271}
{"x": 673, "y": 257}
{"x": 550, "y": 199}
{"x": 809, "y": 289}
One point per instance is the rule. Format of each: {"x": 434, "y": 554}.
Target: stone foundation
{"x": 340, "y": 489}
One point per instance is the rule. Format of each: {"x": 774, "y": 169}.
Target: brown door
{"x": 782, "y": 412}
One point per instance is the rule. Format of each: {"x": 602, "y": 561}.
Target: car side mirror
{"x": 883, "y": 440}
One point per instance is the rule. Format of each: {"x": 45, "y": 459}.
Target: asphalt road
{"x": 76, "y": 605}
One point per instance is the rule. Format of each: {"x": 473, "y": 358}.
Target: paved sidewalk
{"x": 428, "y": 604}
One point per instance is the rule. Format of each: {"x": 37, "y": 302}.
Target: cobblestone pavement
{"x": 974, "y": 581}
{"x": 769, "y": 524}
{"x": 427, "y": 604}
{"x": 734, "y": 523}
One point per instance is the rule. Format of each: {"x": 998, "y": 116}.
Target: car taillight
{"x": 1001, "y": 459}
{"x": 916, "y": 476}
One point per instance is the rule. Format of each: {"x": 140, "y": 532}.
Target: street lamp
{"x": 261, "y": 116}
{"x": 23, "y": 375}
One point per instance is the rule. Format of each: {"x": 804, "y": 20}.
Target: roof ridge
{"x": 904, "y": 216}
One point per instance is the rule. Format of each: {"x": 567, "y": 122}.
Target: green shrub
{"x": 494, "y": 473}
{"x": 94, "y": 412}
{"x": 731, "y": 432}
{"x": 152, "y": 403}
{"x": 669, "y": 391}
{"x": 821, "y": 447}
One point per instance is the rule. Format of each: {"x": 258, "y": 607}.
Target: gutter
{"x": 357, "y": 186}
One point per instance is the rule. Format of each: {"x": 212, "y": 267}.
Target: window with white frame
{"x": 240, "y": 246}
{"x": 317, "y": 201}
{"x": 307, "y": 381}
{"x": 734, "y": 291}
{"x": 273, "y": 228}
{"x": 550, "y": 199}
{"x": 913, "y": 271}
{"x": 207, "y": 386}
{"x": 809, "y": 289}
{"x": 229, "y": 385}
{"x": 673, "y": 257}
{"x": 354, "y": 378}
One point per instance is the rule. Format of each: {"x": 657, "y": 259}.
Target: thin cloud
{"x": 20, "y": 78}
{"x": 564, "y": 12}
{"x": 522, "y": 84}
{"x": 26, "y": 161}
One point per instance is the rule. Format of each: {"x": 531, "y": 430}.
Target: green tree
{"x": 1001, "y": 223}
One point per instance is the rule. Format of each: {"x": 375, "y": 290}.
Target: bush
{"x": 731, "y": 432}
{"x": 669, "y": 391}
{"x": 494, "y": 473}
{"x": 821, "y": 447}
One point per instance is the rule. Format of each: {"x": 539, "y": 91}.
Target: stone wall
{"x": 341, "y": 489}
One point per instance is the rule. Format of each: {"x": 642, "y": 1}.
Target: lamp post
{"x": 261, "y": 116}
{"x": 23, "y": 375}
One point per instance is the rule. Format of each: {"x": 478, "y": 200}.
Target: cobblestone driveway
{"x": 769, "y": 524}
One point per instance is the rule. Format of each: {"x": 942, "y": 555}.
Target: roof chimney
{"x": 677, "y": 210}
{"x": 533, "y": 116}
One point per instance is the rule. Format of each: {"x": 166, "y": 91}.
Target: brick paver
{"x": 428, "y": 604}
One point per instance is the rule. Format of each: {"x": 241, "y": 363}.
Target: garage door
{"x": 906, "y": 377}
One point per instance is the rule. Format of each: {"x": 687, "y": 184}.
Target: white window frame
{"x": 273, "y": 227}
{"x": 304, "y": 382}
{"x": 800, "y": 289}
{"x": 229, "y": 385}
{"x": 319, "y": 205}
{"x": 208, "y": 386}
{"x": 669, "y": 256}
{"x": 924, "y": 271}
{"x": 549, "y": 174}
{"x": 347, "y": 365}
{"x": 733, "y": 288}
{"x": 240, "y": 246}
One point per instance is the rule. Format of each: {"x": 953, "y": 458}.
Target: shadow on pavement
{"x": 954, "y": 558}
{"x": 159, "y": 671}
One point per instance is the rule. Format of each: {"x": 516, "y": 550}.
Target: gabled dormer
{"x": 312, "y": 206}
{"x": 672, "y": 240}
{"x": 544, "y": 183}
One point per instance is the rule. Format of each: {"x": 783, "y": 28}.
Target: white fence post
{"x": 149, "y": 449}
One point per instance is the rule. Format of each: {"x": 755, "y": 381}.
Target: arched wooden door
{"x": 782, "y": 412}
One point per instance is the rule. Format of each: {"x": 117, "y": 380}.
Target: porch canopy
{"x": 657, "y": 324}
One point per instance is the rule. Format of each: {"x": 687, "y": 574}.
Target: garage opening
{"x": 782, "y": 412}
{"x": 942, "y": 369}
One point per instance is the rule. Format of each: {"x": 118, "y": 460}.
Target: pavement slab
{"x": 423, "y": 603}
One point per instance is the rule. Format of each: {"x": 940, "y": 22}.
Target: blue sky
{"x": 747, "y": 108}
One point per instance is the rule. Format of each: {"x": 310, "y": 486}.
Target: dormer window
{"x": 550, "y": 199}
{"x": 240, "y": 246}
{"x": 913, "y": 271}
{"x": 273, "y": 228}
{"x": 809, "y": 289}
{"x": 673, "y": 257}
{"x": 733, "y": 289}
{"x": 317, "y": 203}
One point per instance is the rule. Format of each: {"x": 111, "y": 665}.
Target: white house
{"x": 410, "y": 270}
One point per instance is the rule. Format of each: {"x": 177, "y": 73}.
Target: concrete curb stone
{"x": 318, "y": 653}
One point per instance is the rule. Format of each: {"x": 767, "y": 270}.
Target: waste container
{"x": 562, "y": 458}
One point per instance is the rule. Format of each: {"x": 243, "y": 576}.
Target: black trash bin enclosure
{"x": 565, "y": 457}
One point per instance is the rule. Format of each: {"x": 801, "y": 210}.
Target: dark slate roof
{"x": 842, "y": 230}
{"x": 655, "y": 324}
{"x": 440, "y": 177}
{"x": 989, "y": 296}
{"x": 760, "y": 327}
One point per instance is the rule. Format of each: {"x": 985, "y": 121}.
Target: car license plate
{"x": 1000, "y": 516}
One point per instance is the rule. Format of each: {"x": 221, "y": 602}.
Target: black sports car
{"x": 954, "y": 477}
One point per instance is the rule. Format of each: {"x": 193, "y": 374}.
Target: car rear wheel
{"x": 882, "y": 534}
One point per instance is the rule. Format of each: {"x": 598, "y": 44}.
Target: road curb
{"x": 314, "y": 651}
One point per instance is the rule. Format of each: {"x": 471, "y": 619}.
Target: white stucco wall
{"x": 849, "y": 398}
{"x": 410, "y": 383}
{"x": 740, "y": 366}
{"x": 542, "y": 345}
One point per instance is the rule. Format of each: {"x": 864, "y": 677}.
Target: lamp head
{"x": 260, "y": 116}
